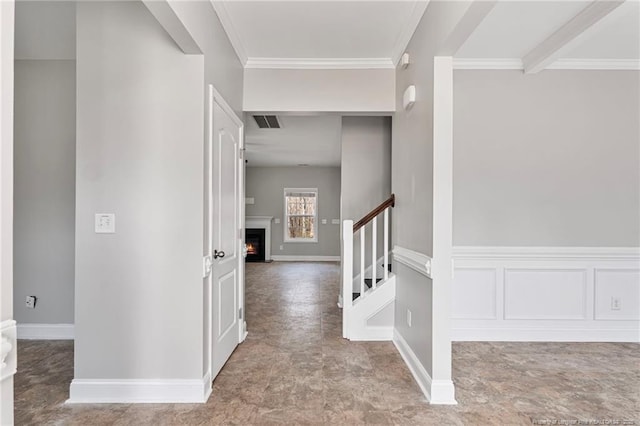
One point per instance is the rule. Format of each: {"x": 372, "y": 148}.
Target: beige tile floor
{"x": 295, "y": 368}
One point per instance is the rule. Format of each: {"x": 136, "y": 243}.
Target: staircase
{"x": 367, "y": 278}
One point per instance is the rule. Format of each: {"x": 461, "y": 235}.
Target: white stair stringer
{"x": 365, "y": 307}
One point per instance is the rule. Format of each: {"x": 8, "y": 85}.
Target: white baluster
{"x": 347, "y": 266}
{"x": 347, "y": 274}
{"x": 386, "y": 244}
{"x": 374, "y": 259}
{"x": 362, "y": 250}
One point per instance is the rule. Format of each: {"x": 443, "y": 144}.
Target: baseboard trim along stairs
{"x": 364, "y": 309}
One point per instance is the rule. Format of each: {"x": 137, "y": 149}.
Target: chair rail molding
{"x": 417, "y": 261}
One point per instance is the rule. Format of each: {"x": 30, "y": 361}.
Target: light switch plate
{"x": 105, "y": 223}
{"x": 277, "y": 220}
{"x": 249, "y": 200}
{"x": 335, "y": 221}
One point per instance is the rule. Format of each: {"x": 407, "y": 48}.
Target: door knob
{"x": 218, "y": 254}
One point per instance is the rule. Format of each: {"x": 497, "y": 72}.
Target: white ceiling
{"x": 313, "y": 140}
{"x": 294, "y": 31}
{"x": 513, "y": 28}
{"x": 355, "y": 34}
{"x": 617, "y": 36}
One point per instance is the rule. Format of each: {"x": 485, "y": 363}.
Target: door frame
{"x": 214, "y": 96}
{"x": 7, "y": 324}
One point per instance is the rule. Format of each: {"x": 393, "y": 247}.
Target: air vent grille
{"x": 267, "y": 121}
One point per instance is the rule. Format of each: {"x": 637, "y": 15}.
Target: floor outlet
{"x": 31, "y": 302}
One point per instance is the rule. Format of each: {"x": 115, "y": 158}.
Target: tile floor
{"x": 295, "y": 368}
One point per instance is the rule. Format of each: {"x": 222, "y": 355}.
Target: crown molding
{"x": 487, "y": 64}
{"x": 596, "y": 64}
{"x": 419, "y": 7}
{"x": 319, "y": 63}
{"x": 229, "y": 28}
{"x": 560, "y": 64}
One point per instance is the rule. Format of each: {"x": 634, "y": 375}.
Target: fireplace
{"x": 255, "y": 243}
{"x": 259, "y": 223}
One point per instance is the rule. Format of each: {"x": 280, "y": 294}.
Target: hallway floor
{"x": 295, "y": 368}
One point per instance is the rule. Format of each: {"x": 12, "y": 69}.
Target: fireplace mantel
{"x": 261, "y": 222}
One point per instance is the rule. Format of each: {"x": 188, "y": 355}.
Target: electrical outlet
{"x": 31, "y": 302}
{"x": 616, "y": 305}
{"x": 277, "y": 220}
{"x": 408, "y": 317}
{"x": 281, "y": 247}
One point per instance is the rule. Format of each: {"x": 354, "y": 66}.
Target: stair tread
{"x": 369, "y": 283}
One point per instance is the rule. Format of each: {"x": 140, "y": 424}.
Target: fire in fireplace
{"x": 254, "y": 241}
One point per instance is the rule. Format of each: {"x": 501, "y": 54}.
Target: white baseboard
{"x": 374, "y": 334}
{"x": 547, "y": 334}
{"x": 437, "y": 391}
{"x": 553, "y": 294}
{"x": 294, "y": 258}
{"x": 46, "y": 331}
{"x": 134, "y": 391}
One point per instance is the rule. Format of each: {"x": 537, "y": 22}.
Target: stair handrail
{"x": 389, "y": 202}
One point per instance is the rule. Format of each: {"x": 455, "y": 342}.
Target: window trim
{"x": 285, "y": 226}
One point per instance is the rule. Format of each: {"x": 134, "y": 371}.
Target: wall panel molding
{"x": 546, "y": 294}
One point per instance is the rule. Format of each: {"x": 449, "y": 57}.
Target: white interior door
{"x": 226, "y": 236}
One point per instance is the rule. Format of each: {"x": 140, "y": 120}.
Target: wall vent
{"x": 267, "y": 121}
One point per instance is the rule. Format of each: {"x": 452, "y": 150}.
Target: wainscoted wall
{"x": 546, "y": 294}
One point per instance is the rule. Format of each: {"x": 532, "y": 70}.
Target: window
{"x": 301, "y": 214}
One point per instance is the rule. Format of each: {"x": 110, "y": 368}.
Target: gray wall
{"x": 366, "y": 164}
{"x": 412, "y": 182}
{"x": 550, "y": 159}
{"x": 140, "y": 139}
{"x": 366, "y": 176}
{"x": 44, "y": 192}
{"x": 45, "y": 30}
{"x": 318, "y": 90}
{"x": 223, "y": 69}
{"x": 266, "y": 185}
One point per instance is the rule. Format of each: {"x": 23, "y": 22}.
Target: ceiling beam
{"x": 419, "y": 7}
{"x": 475, "y": 14}
{"x": 168, "y": 19}
{"x": 229, "y": 28}
{"x": 567, "y": 36}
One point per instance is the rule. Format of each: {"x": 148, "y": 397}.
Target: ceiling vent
{"x": 267, "y": 121}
